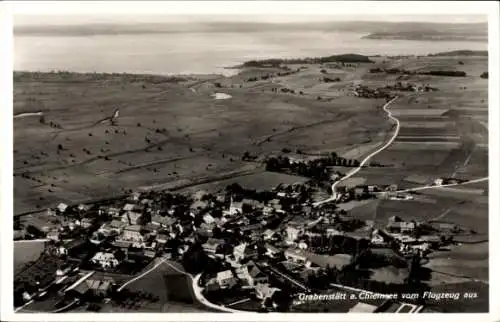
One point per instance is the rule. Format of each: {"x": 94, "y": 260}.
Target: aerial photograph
{"x": 213, "y": 163}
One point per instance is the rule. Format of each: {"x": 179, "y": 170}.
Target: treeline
{"x": 331, "y": 80}
{"x": 286, "y": 72}
{"x": 79, "y": 77}
{"x": 451, "y": 73}
{"x": 315, "y": 169}
{"x": 276, "y": 62}
{"x": 461, "y": 53}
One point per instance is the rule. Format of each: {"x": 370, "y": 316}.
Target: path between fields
{"x": 163, "y": 260}
{"x": 361, "y": 165}
{"x": 385, "y": 146}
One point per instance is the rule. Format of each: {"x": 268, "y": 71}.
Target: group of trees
{"x": 344, "y": 58}
{"x": 316, "y": 169}
{"x": 332, "y": 245}
{"x": 452, "y": 73}
{"x": 331, "y": 80}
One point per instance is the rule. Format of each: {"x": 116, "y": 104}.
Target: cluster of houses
{"x": 366, "y": 92}
{"x": 256, "y": 241}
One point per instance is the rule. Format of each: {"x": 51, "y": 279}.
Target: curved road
{"x": 385, "y": 146}
{"x": 361, "y": 165}
{"x": 197, "y": 290}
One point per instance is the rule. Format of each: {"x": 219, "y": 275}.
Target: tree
{"x": 34, "y": 231}
{"x": 42, "y": 119}
{"x": 120, "y": 255}
{"x": 144, "y": 218}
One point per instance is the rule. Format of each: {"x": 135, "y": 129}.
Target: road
{"x": 443, "y": 185}
{"x": 385, "y": 146}
{"x": 197, "y": 290}
{"x": 374, "y": 153}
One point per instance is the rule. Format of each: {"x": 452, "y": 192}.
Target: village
{"x": 258, "y": 249}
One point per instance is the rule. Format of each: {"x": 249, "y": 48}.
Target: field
{"x": 170, "y": 133}
{"x": 25, "y": 252}
{"x": 156, "y": 284}
{"x": 264, "y": 180}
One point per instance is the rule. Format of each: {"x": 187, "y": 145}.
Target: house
{"x": 131, "y": 217}
{"x": 135, "y": 196}
{"x": 243, "y": 274}
{"x": 71, "y": 248}
{"x": 62, "y": 207}
{"x": 105, "y": 260}
{"x": 265, "y": 291}
{"x": 97, "y": 237}
{"x": 243, "y": 251}
{"x": 257, "y": 275}
{"x": 205, "y": 229}
{"x": 128, "y": 207}
{"x": 133, "y": 233}
{"x": 99, "y": 287}
{"x": 448, "y": 226}
{"x": 401, "y": 226}
{"x": 150, "y": 253}
{"x": 291, "y": 234}
{"x": 198, "y": 206}
{"x": 113, "y": 212}
{"x": 333, "y": 232}
{"x": 439, "y": 181}
{"x": 359, "y": 191}
{"x": 296, "y": 256}
{"x": 115, "y": 227}
{"x": 87, "y": 222}
{"x": 162, "y": 238}
{"x": 95, "y": 287}
{"x": 53, "y": 235}
{"x": 252, "y": 227}
{"x": 122, "y": 244}
{"x": 151, "y": 228}
{"x": 271, "y": 250}
{"x": 268, "y": 234}
{"x": 212, "y": 245}
{"x": 208, "y": 219}
{"x": 225, "y": 279}
{"x": 377, "y": 238}
{"x": 235, "y": 208}
{"x": 361, "y": 307}
{"x": 163, "y": 221}
{"x": 83, "y": 207}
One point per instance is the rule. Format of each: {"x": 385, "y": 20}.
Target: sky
{"x": 85, "y": 12}
{"x": 105, "y": 18}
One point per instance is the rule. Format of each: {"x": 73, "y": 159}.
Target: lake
{"x": 204, "y": 53}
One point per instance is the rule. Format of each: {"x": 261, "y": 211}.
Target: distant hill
{"x": 274, "y": 62}
{"x": 425, "y": 36}
{"x": 462, "y": 53}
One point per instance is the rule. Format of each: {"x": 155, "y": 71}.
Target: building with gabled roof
{"x": 225, "y": 279}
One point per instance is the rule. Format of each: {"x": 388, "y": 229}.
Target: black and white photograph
{"x": 170, "y": 160}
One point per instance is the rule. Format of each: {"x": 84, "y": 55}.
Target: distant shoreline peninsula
{"x": 256, "y": 63}
{"x": 273, "y": 62}
{"x": 424, "y": 36}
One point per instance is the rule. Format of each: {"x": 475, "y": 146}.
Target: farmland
{"x": 170, "y": 132}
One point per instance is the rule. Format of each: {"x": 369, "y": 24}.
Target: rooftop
{"x": 136, "y": 228}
